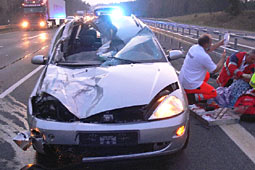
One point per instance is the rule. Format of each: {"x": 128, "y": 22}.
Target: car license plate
{"x": 108, "y": 138}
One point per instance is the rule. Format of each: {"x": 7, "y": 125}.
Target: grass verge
{"x": 245, "y": 21}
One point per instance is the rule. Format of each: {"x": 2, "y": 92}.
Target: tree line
{"x": 11, "y": 11}
{"x": 169, "y": 8}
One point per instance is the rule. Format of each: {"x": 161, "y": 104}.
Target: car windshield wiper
{"x": 125, "y": 60}
{"x": 77, "y": 64}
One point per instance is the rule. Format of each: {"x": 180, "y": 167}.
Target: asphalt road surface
{"x": 210, "y": 148}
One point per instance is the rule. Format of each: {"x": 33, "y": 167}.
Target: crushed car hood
{"x": 88, "y": 91}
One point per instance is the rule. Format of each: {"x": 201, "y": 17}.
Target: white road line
{"x": 243, "y": 139}
{"x": 13, "y": 87}
{"x": 29, "y": 38}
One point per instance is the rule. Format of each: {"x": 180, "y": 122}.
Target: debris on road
{"x": 220, "y": 116}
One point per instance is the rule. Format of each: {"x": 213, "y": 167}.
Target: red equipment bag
{"x": 245, "y": 105}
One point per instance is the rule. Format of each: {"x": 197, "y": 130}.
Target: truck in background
{"x": 43, "y": 13}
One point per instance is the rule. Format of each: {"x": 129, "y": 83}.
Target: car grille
{"x": 97, "y": 151}
{"x": 123, "y": 115}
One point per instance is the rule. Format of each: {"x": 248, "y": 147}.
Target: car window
{"x": 56, "y": 37}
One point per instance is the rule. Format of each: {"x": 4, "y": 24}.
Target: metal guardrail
{"x": 195, "y": 31}
{"x": 10, "y": 26}
{"x": 2, "y": 27}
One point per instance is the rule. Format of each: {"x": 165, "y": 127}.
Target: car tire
{"x": 49, "y": 157}
{"x": 46, "y": 159}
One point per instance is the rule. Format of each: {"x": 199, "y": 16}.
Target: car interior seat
{"x": 88, "y": 39}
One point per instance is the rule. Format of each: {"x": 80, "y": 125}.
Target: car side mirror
{"x": 175, "y": 54}
{"x": 39, "y": 59}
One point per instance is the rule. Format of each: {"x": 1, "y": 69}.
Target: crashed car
{"x": 108, "y": 91}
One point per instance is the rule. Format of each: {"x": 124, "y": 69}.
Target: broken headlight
{"x": 49, "y": 108}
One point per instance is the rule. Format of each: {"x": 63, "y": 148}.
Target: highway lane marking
{"x": 29, "y": 38}
{"x": 21, "y": 58}
{"x": 17, "y": 84}
{"x": 242, "y": 138}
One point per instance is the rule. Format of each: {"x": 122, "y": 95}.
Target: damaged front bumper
{"x": 23, "y": 140}
{"x": 161, "y": 134}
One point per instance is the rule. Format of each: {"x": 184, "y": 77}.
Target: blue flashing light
{"x": 116, "y": 13}
{"x": 60, "y": 16}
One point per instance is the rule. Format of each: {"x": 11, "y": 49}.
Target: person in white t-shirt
{"x": 196, "y": 68}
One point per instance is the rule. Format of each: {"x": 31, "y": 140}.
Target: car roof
{"x": 104, "y": 10}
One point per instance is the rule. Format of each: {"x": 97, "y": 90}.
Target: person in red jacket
{"x": 239, "y": 65}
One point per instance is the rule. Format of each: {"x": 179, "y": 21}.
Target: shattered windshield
{"x": 108, "y": 42}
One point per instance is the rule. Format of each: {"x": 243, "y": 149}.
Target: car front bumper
{"x": 152, "y": 132}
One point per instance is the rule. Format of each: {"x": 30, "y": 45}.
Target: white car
{"x": 108, "y": 91}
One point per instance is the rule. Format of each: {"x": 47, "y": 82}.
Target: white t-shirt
{"x": 195, "y": 66}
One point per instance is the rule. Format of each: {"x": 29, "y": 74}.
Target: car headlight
{"x": 169, "y": 106}
{"x": 49, "y": 108}
{"x": 42, "y": 24}
{"x": 24, "y": 24}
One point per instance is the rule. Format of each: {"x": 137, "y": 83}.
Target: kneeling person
{"x": 196, "y": 68}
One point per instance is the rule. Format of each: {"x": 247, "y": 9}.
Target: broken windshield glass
{"x": 127, "y": 43}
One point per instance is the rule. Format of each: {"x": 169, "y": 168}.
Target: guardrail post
{"x": 219, "y": 36}
{"x": 189, "y": 31}
{"x": 235, "y": 44}
{"x": 179, "y": 45}
{"x": 182, "y": 30}
{"x": 172, "y": 28}
{"x": 197, "y": 33}
{"x": 177, "y": 29}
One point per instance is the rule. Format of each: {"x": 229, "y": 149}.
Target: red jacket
{"x": 231, "y": 68}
